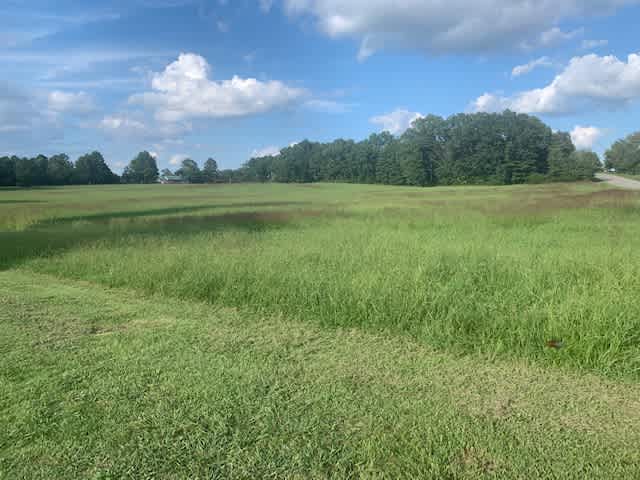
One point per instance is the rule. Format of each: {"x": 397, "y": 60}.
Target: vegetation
{"x": 105, "y": 384}
{"x": 481, "y": 148}
{"x": 89, "y": 169}
{"x": 624, "y": 155}
{"x": 142, "y": 169}
{"x": 319, "y": 331}
{"x": 497, "y": 149}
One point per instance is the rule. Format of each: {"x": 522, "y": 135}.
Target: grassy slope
{"x": 106, "y": 384}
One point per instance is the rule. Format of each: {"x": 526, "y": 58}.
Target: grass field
{"x": 319, "y": 330}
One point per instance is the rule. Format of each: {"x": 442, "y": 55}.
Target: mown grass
{"x": 493, "y": 270}
{"x": 98, "y": 383}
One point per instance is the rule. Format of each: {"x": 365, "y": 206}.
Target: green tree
{"x": 624, "y": 155}
{"x": 190, "y": 171}
{"x": 26, "y": 171}
{"x": 60, "y": 170}
{"x": 560, "y": 160}
{"x": 142, "y": 169}
{"x": 210, "y": 171}
{"x": 93, "y": 170}
{"x": 7, "y": 172}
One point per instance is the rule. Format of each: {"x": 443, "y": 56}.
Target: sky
{"x": 231, "y": 79}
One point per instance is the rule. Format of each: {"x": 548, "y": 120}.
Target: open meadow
{"x": 320, "y": 330}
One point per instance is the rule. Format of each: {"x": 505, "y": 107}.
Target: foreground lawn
{"x": 99, "y": 383}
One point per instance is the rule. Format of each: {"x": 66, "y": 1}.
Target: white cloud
{"x": 591, "y": 44}
{"x": 451, "y": 26}
{"x": 396, "y": 122}
{"x": 223, "y": 26}
{"x": 183, "y": 90}
{"x": 126, "y": 125}
{"x": 327, "y": 106}
{"x": 270, "y": 151}
{"x": 26, "y": 119}
{"x": 177, "y": 159}
{"x": 584, "y": 138}
{"x": 528, "y": 67}
{"x": 68, "y": 102}
{"x": 590, "y": 81}
{"x": 122, "y": 124}
{"x": 153, "y": 154}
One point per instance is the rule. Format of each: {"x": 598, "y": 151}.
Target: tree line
{"x": 91, "y": 169}
{"x": 56, "y": 170}
{"x": 480, "y": 148}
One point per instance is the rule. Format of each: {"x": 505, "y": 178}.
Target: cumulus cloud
{"x": 184, "y": 90}
{"x": 589, "y": 81}
{"x": 584, "y": 138}
{"x": 528, "y": 67}
{"x": 270, "y": 151}
{"x": 446, "y": 27}
{"x": 396, "y": 122}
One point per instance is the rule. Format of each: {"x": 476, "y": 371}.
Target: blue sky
{"x": 231, "y": 78}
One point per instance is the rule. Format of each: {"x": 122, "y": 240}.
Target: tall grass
{"x": 491, "y": 270}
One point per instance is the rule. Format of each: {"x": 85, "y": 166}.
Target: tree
{"x": 26, "y": 171}
{"x": 41, "y": 166}
{"x": 624, "y": 155}
{"x": 210, "y": 171}
{"x": 190, "y": 171}
{"x": 60, "y": 170}
{"x": 560, "y": 160}
{"x": 142, "y": 169}
{"x": 584, "y": 165}
{"x": 7, "y": 172}
{"x": 93, "y": 170}
{"x": 166, "y": 172}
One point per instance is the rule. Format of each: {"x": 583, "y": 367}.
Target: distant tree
{"x": 60, "y": 170}
{"x": 210, "y": 171}
{"x": 93, "y": 170}
{"x": 142, "y": 169}
{"x": 7, "y": 172}
{"x": 190, "y": 171}
{"x": 166, "y": 172}
{"x": 41, "y": 167}
{"x": 26, "y": 170}
{"x": 624, "y": 155}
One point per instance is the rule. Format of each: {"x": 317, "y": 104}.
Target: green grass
{"x": 319, "y": 330}
{"x": 103, "y": 384}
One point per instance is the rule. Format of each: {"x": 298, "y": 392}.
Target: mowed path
{"x": 99, "y": 383}
{"x": 618, "y": 181}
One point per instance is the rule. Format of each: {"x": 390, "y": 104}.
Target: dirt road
{"x": 620, "y": 182}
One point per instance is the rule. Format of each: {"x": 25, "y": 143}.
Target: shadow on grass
{"x": 124, "y": 214}
{"x": 48, "y": 239}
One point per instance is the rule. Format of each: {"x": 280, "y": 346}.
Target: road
{"x": 620, "y": 182}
